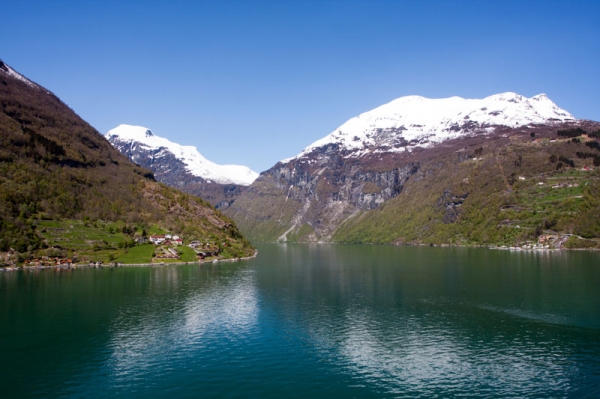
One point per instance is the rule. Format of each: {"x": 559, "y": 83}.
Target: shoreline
{"x": 119, "y": 265}
{"x": 486, "y": 246}
{"x": 202, "y": 262}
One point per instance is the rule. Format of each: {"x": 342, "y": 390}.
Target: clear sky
{"x": 252, "y": 82}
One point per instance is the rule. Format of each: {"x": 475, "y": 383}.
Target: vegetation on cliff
{"x": 514, "y": 191}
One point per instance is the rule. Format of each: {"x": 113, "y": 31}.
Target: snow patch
{"x": 14, "y": 74}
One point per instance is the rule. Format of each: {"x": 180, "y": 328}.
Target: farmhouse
{"x": 157, "y": 240}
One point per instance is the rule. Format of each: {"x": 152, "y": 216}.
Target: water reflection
{"x": 421, "y": 357}
{"x": 419, "y": 323}
{"x": 176, "y": 321}
{"x": 310, "y": 320}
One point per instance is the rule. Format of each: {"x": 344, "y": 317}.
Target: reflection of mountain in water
{"x": 411, "y": 321}
{"x": 193, "y": 309}
{"x": 311, "y": 321}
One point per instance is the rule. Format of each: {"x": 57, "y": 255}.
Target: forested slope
{"x": 55, "y": 166}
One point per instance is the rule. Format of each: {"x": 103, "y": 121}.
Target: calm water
{"x": 309, "y": 321}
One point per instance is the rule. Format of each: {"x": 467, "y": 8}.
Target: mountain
{"x": 413, "y": 121}
{"x": 55, "y": 167}
{"x": 436, "y": 171}
{"x": 139, "y": 143}
{"x": 180, "y": 166}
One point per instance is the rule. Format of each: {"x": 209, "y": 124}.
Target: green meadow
{"x": 106, "y": 242}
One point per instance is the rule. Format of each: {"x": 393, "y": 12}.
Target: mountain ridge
{"x": 190, "y": 172}
{"x": 11, "y": 72}
{"x": 194, "y": 161}
{"x": 415, "y": 121}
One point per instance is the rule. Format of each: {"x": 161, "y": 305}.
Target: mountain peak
{"x": 507, "y": 96}
{"x": 415, "y": 121}
{"x": 196, "y": 164}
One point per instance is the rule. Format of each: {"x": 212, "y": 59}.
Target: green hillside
{"x": 503, "y": 192}
{"x": 55, "y": 167}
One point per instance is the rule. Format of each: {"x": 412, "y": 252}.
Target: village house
{"x": 157, "y": 240}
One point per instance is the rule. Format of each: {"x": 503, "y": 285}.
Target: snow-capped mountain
{"x": 139, "y": 142}
{"x": 414, "y": 121}
{"x": 432, "y": 151}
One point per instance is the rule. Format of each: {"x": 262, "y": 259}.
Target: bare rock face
{"x": 307, "y": 199}
{"x": 363, "y": 189}
{"x": 451, "y": 203}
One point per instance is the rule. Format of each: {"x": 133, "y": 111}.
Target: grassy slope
{"x": 500, "y": 207}
{"x": 138, "y": 254}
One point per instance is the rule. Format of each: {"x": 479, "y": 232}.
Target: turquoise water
{"x": 309, "y": 321}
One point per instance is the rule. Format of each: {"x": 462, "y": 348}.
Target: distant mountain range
{"x": 142, "y": 145}
{"x": 504, "y": 170}
{"x": 180, "y": 166}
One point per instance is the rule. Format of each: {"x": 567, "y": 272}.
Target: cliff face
{"x": 492, "y": 188}
{"x": 307, "y": 199}
{"x": 326, "y": 177}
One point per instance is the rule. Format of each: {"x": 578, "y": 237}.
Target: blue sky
{"x": 252, "y": 82}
